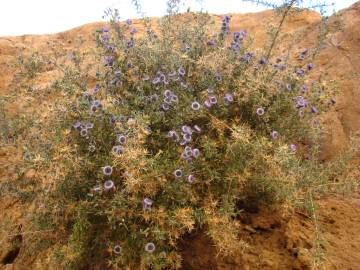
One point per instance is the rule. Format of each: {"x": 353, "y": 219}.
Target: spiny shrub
{"x": 186, "y": 126}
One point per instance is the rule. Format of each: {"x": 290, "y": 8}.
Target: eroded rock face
{"x": 339, "y": 60}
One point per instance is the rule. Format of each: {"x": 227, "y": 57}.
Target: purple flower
{"x": 213, "y": 100}
{"x": 274, "y": 134}
{"x": 301, "y": 102}
{"x": 173, "y": 135}
{"x": 150, "y": 247}
{"x": 228, "y": 98}
{"x": 263, "y": 61}
{"x": 165, "y": 106}
{"x": 83, "y": 132}
{"x": 89, "y": 125}
{"x": 108, "y": 185}
{"x": 172, "y": 74}
{"x": 117, "y": 150}
{"x": 300, "y": 72}
{"x": 314, "y": 110}
{"x": 301, "y": 113}
{"x": 303, "y": 88}
{"x": 174, "y": 98}
{"x": 186, "y": 129}
{"x": 147, "y": 203}
{"x": 133, "y": 30}
{"x": 178, "y": 173}
{"x": 187, "y": 137}
{"x": 191, "y": 179}
{"x": 117, "y": 249}
{"x": 107, "y": 170}
{"x": 260, "y": 111}
{"x": 167, "y": 100}
{"x": 310, "y": 66}
{"x": 293, "y": 147}
{"x": 195, "y": 152}
{"x": 195, "y": 106}
{"x": 288, "y": 87}
{"x": 181, "y": 71}
{"x": 128, "y": 21}
{"x": 168, "y": 93}
{"x": 280, "y": 66}
{"x": 207, "y": 104}
{"x": 77, "y": 126}
{"x": 218, "y": 77}
{"x": 121, "y": 138}
{"x": 197, "y": 128}
{"x": 211, "y": 42}
{"x": 96, "y": 89}
{"x": 156, "y": 80}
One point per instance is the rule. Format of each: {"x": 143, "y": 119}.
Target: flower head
{"x": 293, "y": 147}
{"x": 260, "y": 111}
{"x": 228, "y": 98}
{"x": 117, "y": 150}
{"x": 213, "y": 100}
{"x": 117, "y": 249}
{"x": 195, "y": 106}
{"x": 274, "y": 134}
{"x": 147, "y": 203}
{"x": 191, "y": 179}
{"x": 108, "y": 185}
{"x": 181, "y": 71}
{"x": 195, "y": 152}
{"x": 197, "y": 128}
{"x": 178, "y": 173}
{"x": 121, "y": 138}
{"x": 150, "y": 247}
{"x": 107, "y": 170}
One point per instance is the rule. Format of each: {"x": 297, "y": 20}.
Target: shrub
{"x": 183, "y": 126}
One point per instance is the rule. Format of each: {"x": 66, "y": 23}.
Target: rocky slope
{"x": 276, "y": 240}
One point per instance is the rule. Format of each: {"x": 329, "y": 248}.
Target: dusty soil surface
{"x": 276, "y": 240}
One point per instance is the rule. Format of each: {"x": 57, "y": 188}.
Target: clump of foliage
{"x": 183, "y": 128}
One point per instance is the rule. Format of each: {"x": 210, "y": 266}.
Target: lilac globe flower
{"x": 186, "y": 129}
{"x": 150, "y": 247}
{"x": 83, "y": 132}
{"x": 117, "y": 249}
{"x": 117, "y": 150}
{"x": 191, "y": 179}
{"x": 178, "y": 173}
{"x": 293, "y": 147}
{"x": 168, "y": 93}
{"x": 77, "y": 126}
{"x": 195, "y": 152}
{"x": 147, "y": 203}
{"x": 121, "y": 138}
{"x": 187, "y": 137}
{"x": 109, "y": 185}
{"x": 128, "y": 21}
{"x": 213, "y": 100}
{"x": 303, "y": 88}
{"x": 181, "y": 71}
{"x": 107, "y": 170}
{"x": 314, "y": 110}
{"x": 207, "y": 104}
{"x": 260, "y": 111}
{"x": 310, "y": 66}
{"x": 195, "y": 106}
{"x": 274, "y": 134}
{"x": 89, "y": 125}
{"x": 167, "y": 100}
{"x": 228, "y": 98}
{"x": 165, "y": 106}
{"x": 197, "y": 129}
{"x": 172, "y": 73}
{"x": 172, "y": 134}
{"x": 301, "y": 113}
{"x": 174, "y": 98}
